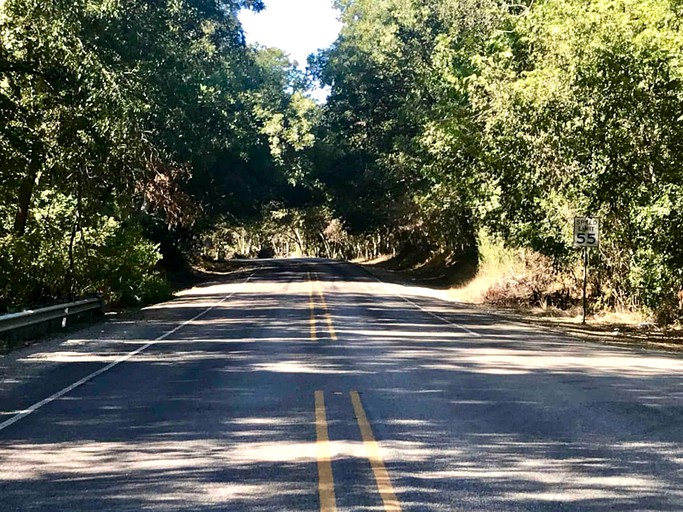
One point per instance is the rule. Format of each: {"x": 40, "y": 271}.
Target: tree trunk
{"x": 24, "y": 197}
{"x": 299, "y": 241}
{"x": 23, "y": 203}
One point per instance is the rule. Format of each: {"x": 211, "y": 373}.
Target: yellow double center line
{"x": 311, "y": 305}
{"x": 328, "y": 501}
{"x": 374, "y": 455}
{"x": 314, "y": 290}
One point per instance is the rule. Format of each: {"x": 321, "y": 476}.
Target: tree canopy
{"x": 131, "y": 126}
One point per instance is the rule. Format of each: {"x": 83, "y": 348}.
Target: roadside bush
{"x": 32, "y": 272}
{"x": 53, "y": 262}
{"x": 121, "y": 264}
{"x": 519, "y": 277}
{"x": 657, "y": 285}
{"x": 537, "y": 285}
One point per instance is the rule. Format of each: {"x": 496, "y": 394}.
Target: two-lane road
{"x": 309, "y": 385}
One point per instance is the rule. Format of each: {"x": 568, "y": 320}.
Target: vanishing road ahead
{"x": 309, "y": 385}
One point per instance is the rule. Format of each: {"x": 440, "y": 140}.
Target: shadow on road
{"x": 219, "y": 415}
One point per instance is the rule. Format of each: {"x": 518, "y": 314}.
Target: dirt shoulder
{"x": 597, "y": 329}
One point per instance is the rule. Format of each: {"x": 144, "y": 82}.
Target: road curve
{"x": 308, "y": 385}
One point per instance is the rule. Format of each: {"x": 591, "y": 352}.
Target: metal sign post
{"x": 586, "y": 235}
{"x": 585, "y": 282}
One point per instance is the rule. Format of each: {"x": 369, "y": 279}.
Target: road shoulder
{"x": 614, "y": 334}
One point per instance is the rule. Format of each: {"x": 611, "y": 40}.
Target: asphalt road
{"x": 308, "y": 385}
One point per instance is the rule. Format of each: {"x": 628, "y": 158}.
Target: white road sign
{"x": 586, "y": 232}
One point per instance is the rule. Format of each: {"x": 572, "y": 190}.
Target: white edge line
{"x": 438, "y": 317}
{"x": 68, "y": 389}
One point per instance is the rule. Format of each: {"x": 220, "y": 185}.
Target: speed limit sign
{"x": 586, "y": 232}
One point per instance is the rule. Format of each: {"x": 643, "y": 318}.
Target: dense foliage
{"x": 458, "y": 116}
{"x": 127, "y": 126}
{"x": 135, "y": 127}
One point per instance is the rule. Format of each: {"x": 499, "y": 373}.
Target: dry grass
{"x": 474, "y": 291}
{"x": 500, "y": 265}
{"x": 513, "y": 280}
{"x": 606, "y": 320}
{"x": 375, "y": 261}
{"x": 497, "y": 264}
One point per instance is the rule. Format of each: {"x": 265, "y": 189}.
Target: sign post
{"x": 586, "y": 235}
{"x": 585, "y": 282}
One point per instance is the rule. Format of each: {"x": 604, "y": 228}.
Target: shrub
{"x": 121, "y": 264}
{"x": 52, "y": 263}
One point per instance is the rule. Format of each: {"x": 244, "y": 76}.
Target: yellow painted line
{"x": 384, "y": 486}
{"x": 311, "y": 305}
{"x": 330, "y": 326}
{"x": 328, "y": 502}
{"x": 328, "y": 317}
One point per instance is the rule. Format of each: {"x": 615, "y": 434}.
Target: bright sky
{"x": 299, "y": 27}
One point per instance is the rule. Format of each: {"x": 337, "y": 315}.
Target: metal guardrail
{"x": 43, "y": 319}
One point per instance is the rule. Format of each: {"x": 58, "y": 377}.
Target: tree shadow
{"x": 220, "y": 415}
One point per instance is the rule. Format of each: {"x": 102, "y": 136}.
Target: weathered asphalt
{"x": 469, "y": 412}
